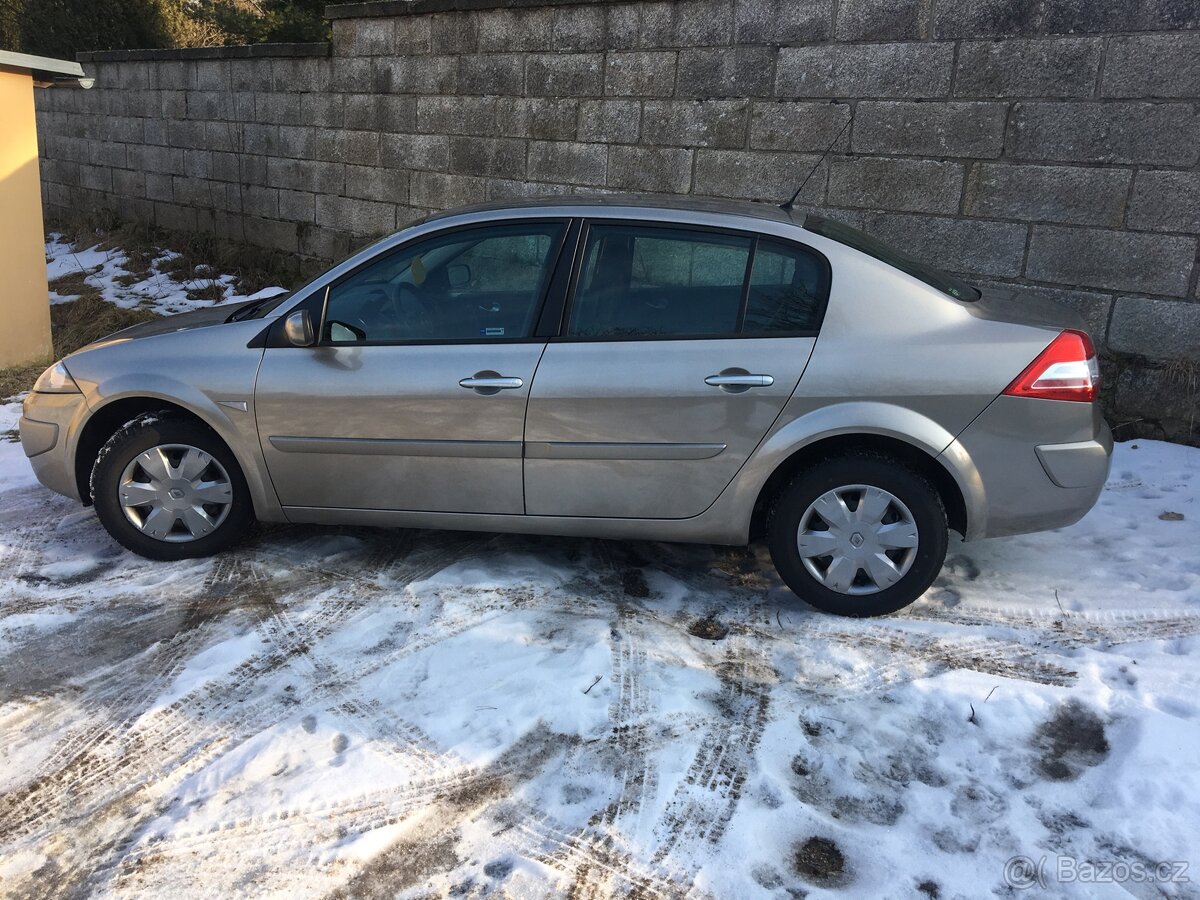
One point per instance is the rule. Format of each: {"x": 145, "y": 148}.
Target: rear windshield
{"x": 860, "y": 240}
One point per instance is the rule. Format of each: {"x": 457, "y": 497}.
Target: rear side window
{"x": 659, "y": 282}
{"x": 787, "y": 290}
{"x": 650, "y": 281}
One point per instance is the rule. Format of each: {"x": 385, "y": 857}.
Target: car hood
{"x": 198, "y": 318}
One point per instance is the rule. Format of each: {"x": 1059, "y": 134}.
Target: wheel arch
{"x": 107, "y": 420}
{"x": 835, "y": 445}
{"x": 117, "y": 403}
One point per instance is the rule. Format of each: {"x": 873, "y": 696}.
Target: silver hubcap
{"x": 857, "y": 539}
{"x": 175, "y": 493}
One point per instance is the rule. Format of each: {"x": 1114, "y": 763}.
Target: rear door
{"x": 680, "y": 347}
{"x": 414, "y": 397}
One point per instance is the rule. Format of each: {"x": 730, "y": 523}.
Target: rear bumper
{"x": 1037, "y": 465}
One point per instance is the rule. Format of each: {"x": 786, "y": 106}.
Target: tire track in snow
{"x": 629, "y": 714}
{"x": 706, "y": 799}
{"x": 220, "y": 712}
{"x": 597, "y": 865}
{"x": 1069, "y": 630}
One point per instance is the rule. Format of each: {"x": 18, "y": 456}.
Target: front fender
{"x": 234, "y": 426}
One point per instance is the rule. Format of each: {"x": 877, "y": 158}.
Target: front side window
{"x": 648, "y": 281}
{"x": 478, "y": 284}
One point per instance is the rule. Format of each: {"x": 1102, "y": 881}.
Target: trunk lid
{"x": 1005, "y": 304}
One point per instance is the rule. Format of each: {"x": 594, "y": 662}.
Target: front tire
{"x": 860, "y": 535}
{"x": 168, "y": 488}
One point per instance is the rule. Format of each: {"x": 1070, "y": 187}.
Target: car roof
{"x": 608, "y": 204}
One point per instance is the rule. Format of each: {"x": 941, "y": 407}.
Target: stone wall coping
{"x": 251, "y": 51}
{"x": 378, "y": 8}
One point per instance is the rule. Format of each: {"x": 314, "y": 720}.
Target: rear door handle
{"x": 489, "y": 382}
{"x": 739, "y": 381}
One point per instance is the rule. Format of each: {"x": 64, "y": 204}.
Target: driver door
{"x": 414, "y": 396}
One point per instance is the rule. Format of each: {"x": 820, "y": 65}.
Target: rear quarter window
{"x": 788, "y": 289}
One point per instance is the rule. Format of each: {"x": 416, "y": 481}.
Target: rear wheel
{"x": 861, "y": 535}
{"x": 168, "y": 488}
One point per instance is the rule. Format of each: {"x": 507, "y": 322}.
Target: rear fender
{"x": 854, "y": 418}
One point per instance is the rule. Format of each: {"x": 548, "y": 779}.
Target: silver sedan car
{"x": 618, "y": 368}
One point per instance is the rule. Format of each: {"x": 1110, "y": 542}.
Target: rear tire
{"x": 168, "y": 488}
{"x": 877, "y": 548}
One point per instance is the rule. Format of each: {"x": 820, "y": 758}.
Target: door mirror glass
{"x": 297, "y": 328}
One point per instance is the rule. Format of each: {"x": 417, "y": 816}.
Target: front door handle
{"x": 736, "y": 382}
{"x": 489, "y": 382}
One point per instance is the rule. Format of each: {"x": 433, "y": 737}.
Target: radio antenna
{"x": 792, "y": 200}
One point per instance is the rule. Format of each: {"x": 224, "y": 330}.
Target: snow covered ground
{"x": 373, "y": 713}
{"x": 156, "y": 289}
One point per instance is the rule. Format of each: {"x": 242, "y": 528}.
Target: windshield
{"x": 860, "y": 240}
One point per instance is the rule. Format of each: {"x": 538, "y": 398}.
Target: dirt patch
{"x": 1073, "y": 740}
{"x": 408, "y": 863}
{"x": 633, "y": 583}
{"x": 708, "y": 628}
{"x": 930, "y": 889}
{"x": 820, "y": 861}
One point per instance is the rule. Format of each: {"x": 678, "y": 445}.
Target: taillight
{"x": 1066, "y": 370}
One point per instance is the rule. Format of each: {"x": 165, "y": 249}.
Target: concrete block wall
{"x": 1048, "y": 145}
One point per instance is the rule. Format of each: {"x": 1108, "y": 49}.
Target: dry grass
{"x": 200, "y": 254}
{"x": 73, "y": 325}
{"x": 73, "y": 284}
{"x": 213, "y": 291}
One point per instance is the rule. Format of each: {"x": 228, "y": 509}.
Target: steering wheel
{"x": 412, "y": 308}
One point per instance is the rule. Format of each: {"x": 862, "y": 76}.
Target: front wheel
{"x": 168, "y": 488}
{"x": 861, "y": 535}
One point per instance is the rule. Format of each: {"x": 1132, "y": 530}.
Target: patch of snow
{"x": 159, "y": 291}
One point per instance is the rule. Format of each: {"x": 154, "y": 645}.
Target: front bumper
{"x": 1038, "y": 465}
{"x": 45, "y": 427}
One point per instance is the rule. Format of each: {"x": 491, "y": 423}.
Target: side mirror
{"x": 298, "y": 329}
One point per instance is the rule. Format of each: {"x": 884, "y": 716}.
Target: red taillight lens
{"x": 1066, "y": 370}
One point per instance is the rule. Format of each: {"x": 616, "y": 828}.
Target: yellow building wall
{"x": 24, "y": 300}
